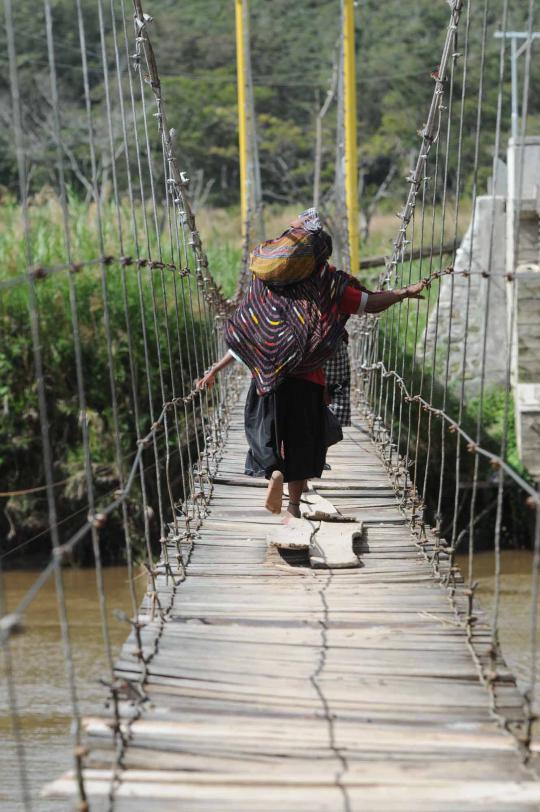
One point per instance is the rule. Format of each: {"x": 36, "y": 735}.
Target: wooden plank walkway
{"x": 280, "y": 687}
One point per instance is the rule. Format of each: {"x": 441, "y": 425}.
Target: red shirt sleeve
{"x": 350, "y": 300}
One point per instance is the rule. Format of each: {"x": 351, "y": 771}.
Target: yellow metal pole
{"x": 351, "y": 157}
{"x": 242, "y": 116}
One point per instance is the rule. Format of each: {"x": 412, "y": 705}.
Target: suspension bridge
{"x": 349, "y": 665}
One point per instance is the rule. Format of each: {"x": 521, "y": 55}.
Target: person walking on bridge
{"x": 289, "y": 323}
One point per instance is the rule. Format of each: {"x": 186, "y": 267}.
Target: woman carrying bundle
{"x": 289, "y": 323}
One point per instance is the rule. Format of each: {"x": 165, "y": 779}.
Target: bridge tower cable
{"x": 240, "y": 7}
{"x": 251, "y": 204}
{"x": 350, "y": 125}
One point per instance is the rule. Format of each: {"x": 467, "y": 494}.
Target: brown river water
{"x": 44, "y": 710}
{"x": 38, "y": 664}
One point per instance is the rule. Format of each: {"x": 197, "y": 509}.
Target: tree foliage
{"x": 293, "y": 48}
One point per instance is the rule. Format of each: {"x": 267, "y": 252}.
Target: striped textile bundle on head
{"x": 290, "y": 330}
{"x": 289, "y": 258}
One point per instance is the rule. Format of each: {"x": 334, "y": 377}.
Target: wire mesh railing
{"x": 424, "y": 370}
{"x": 108, "y": 316}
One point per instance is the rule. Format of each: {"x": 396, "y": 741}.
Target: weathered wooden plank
{"x": 295, "y": 535}
{"x": 261, "y": 794}
{"x": 332, "y": 545}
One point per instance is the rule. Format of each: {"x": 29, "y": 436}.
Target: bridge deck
{"x": 276, "y": 686}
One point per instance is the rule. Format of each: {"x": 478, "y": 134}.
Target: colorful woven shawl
{"x": 293, "y": 330}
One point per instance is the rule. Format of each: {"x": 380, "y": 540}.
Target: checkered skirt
{"x": 338, "y": 381}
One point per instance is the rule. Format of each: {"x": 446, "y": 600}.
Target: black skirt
{"x": 285, "y": 431}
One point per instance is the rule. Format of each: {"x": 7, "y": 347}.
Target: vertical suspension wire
{"x": 110, "y": 133}
{"x": 88, "y": 464}
{"x": 403, "y": 457}
{"x": 415, "y": 502}
{"x": 535, "y": 575}
{"x": 162, "y": 124}
{"x": 500, "y": 474}
{"x": 186, "y": 219}
{"x": 189, "y": 511}
{"x": 172, "y": 371}
{"x": 416, "y": 465}
{"x": 208, "y": 399}
{"x": 140, "y": 24}
{"x": 409, "y": 492}
{"x": 6, "y": 629}
{"x": 429, "y": 136}
{"x": 241, "y": 42}
{"x": 199, "y": 367}
{"x": 257, "y": 215}
{"x": 370, "y": 335}
{"x": 379, "y": 327}
{"x": 45, "y": 441}
{"x": 83, "y": 421}
{"x": 350, "y": 119}
{"x": 121, "y": 244}
{"x": 155, "y": 602}
{"x": 397, "y": 311}
{"x": 164, "y": 297}
{"x": 209, "y": 353}
{"x": 395, "y": 318}
{"x": 446, "y": 363}
{"x": 196, "y": 474}
{"x": 533, "y": 638}
{"x": 186, "y": 299}
{"x": 433, "y": 351}
{"x": 151, "y": 264}
{"x": 149, "y": 566}
{"x": 125, "y": 302}
{"x": 480, "y": 100}
{"x": 141, "y": 263}
{"x": 464, "y": 80}
{"x": 452, "y": 281}
{"x": 119, "y": 736}
{"x": 193, "y": 240}
{"x": 157, "y": 233}
{"x": 391, "y": 322}
{"x": 342, "y": 255}
{"x": 427, "y": 224}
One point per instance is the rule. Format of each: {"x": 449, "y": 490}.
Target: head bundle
{"x": 295, "y": 254}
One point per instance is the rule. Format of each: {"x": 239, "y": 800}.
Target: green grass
{"x": 47, "y": 243}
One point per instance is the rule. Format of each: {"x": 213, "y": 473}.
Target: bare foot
{"x": 274, "y": 493}
{"x": 293, "y": 511}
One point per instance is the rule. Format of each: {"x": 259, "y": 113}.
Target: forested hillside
{"x": 293, "y": 49}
